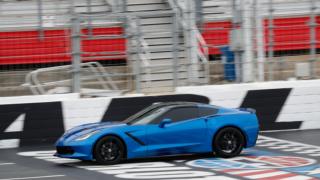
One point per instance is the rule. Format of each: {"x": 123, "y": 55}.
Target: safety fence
{"x": 112, "y": 47}
{"x": 264, "y": 34}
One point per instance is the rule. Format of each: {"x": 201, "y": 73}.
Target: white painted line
{"x": 48, "y": 157}
{"x": 59, "y": 161}
{"x": 284, "y": 146}
{"x": 2, "y": 164}
{"x": 287, "y": 141}
{"x": 56, "y": 159}
{"x": 299, "y": 177}
{"x": 265, "y": 175}
{"x": 34, "y": 177}
{"x": 315, "y": 154}
{"x": 9, "y": 143}
{"x": 284, "y": 130}
{"x": 141, "y": 170}
{"x": 37, "y": 153}
{"x": 309, "y": 151}
{"x": 270, "y": 144}
{"x": 298, "y": 149}
{"x": 241, "y": 171}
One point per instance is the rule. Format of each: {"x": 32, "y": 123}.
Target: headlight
{"x": 86, "y": 136}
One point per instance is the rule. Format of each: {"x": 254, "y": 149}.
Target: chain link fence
{"x": 262, "y": 40}
{"x": 106, "y": 47}
{"x": 38, "y": 45}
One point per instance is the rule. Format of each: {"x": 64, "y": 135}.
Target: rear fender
{"x": 245, "y": 122}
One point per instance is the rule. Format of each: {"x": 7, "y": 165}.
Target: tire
{"x": 228, "y": 142}
{"x": 109, "y": 150}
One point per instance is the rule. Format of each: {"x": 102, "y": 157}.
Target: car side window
{"x": 179, "y": 114}
{"x": 207, "y": 111}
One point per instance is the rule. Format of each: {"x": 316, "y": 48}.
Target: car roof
{"x": 177, "y": 104}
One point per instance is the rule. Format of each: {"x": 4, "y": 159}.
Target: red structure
{"x": 289, "y": 34}
{"x": 25, "y": 47}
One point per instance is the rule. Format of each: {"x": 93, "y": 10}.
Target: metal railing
{"x": 96, "y": 72}
{"x": 279, "y": 41}
{"x": 203, "y": 51}
{"x": 139, "y": 41}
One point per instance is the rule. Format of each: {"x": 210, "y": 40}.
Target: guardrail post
{"x": 175, "y": 49}
{"x": 76, "y": 54}
{"x": 260, "y": 40}
{"x": 137, "y": 72}
{"x": 191, "y": 42}
{"x": 40, "y": 19}
{"x": 313, "y": 38}
{"x": 270, "y": 40}
{"x": 89, "y": 11}
{"x": 236, "y": 40}
{"x": 137, "y": 61}
{"x": 247, "y": 60}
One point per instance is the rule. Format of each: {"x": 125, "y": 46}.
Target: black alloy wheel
{"x": 228, "y": 142}
{"x": 109, "y": 150}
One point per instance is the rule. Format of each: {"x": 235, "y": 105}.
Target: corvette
{"x": 163, "y": 129}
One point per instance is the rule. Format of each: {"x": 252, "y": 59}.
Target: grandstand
{"x": 148, "y": 46}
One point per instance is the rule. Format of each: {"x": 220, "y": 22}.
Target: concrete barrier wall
{"x": 38, "y": 120}
{"x": 35, "y": 121}
{"x": 280, "y": 105}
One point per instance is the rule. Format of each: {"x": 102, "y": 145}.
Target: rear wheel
{"x": 109, "y": 150}
{"x": 228, "y": 142}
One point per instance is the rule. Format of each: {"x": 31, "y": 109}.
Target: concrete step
{"x": 168, "y": 61}
{"x": 167, "y": 69}
{"x": 156, "y": 28}
{"x": 215, "y": 3}
{"x": 156, "y": 20}
{"x": 154, "y": 42}
{"x": 216, "y": 10}
{"x": 159, "y": 41}
{"x": 168, "y": 83}
{"x": 139, "y": 2}
{"x": 165, "y": 55}
{"x": 55, "y": 13}
{"x": 147, "y": 7}
{"x": 167, "y": 76}
{"x": 49, "y": 7}
{"x": 157, "y": 34}
{"x": 162, "y": 48}
{"x": 165, "y": 48}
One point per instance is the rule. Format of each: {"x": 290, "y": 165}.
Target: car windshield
{"x": 146, "y": 115}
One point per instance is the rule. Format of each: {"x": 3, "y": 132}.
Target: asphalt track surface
{"x": 278, "y": 155}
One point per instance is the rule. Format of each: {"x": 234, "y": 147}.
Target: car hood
{"x": 91, "y": 127}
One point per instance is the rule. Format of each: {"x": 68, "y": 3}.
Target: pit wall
{"x": 40, "y": 120}
{"x": 280, "y": 105}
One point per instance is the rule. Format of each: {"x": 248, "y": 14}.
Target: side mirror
{"x": 164, "y": 122}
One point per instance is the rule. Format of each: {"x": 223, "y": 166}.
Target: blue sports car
{"x": 163, "y": 129}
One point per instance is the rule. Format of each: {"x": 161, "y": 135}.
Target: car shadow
{"x": 172, "y": 158}
{"x": 144, "y": 160}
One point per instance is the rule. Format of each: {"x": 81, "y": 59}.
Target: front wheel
{"x": 228, "y": 142}
{"x": 109, "y": 150}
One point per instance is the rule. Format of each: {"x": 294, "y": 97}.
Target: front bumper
{"x": 74, "y": 149}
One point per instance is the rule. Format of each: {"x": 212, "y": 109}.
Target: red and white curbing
{"x": 266, "y": 174}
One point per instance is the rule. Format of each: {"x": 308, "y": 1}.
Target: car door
{"x": 186, "y": 133}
